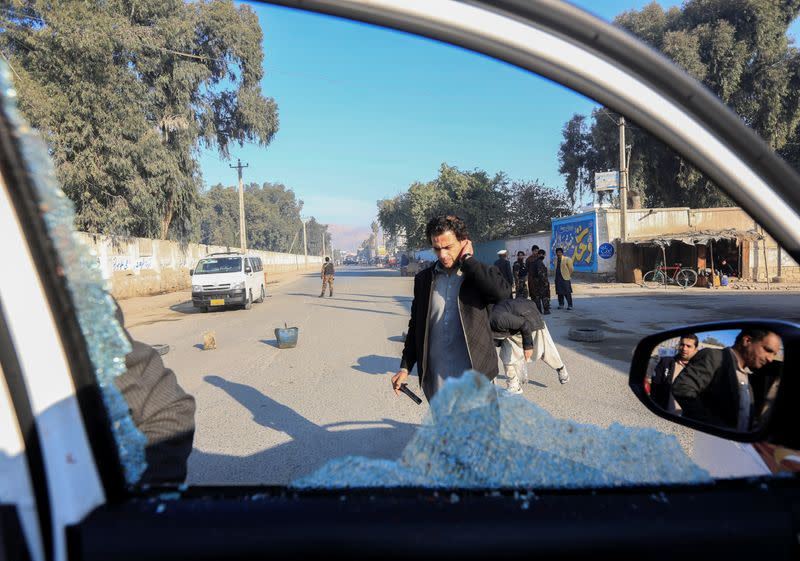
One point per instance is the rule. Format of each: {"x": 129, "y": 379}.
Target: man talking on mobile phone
{"x": 449, "y": 331}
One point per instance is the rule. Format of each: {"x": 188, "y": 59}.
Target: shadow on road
{"x": 376, "y": 364}
{"x": 270, "y": 342}
{"x": 360, "y": 310}
{"x": 367, "y": 273}
{"x": 337, "y": 298}
{"x": 311, "y": 446}
{"x": 395, "y": 298}
{"x": 185, "y": 308}
{"x": 397, "y": 339}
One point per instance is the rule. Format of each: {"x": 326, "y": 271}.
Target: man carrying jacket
{"x": 449, "y": 329}
{"x": 522, "y": 336}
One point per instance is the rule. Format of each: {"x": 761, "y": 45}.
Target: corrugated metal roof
{"x": 696, "y": 237}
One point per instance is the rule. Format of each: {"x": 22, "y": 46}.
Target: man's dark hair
{"x": 561, "y": 249}
{"x": 534, "y": 248}
{"x": 755, "y": 335}
{"x": 446, "y": 223}
{"x": 691, "y": 336}
{"x": 520, "y": 253}
{"x": 327, "y": 259}
{"x": 542, "y": 253}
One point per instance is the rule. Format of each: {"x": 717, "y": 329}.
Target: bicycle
{"x": 660, "y": 276}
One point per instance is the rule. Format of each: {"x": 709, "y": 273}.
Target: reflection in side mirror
{"x": 720, "y": 378}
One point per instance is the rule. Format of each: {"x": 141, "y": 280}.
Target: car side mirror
{"x": 191, "y": 272}
{"x": 248, "y": 270}
{"x": 730, "y": 379}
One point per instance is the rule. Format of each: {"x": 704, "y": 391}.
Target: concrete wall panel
{"x": 138, "y": 266}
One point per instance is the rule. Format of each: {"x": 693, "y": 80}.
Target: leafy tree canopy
{"x": 126, "y": 91}
{"x": 272, "y": 215}
{"x": 492, "y": 206}
{"x": 740, "y": 50}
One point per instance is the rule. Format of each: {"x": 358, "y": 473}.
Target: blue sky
{"x": 365, "y": 112}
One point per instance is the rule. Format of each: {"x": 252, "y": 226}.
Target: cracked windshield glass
{"x": 347, "y": 256}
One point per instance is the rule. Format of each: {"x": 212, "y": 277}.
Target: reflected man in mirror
{"x": 729, "y": 387}
{"x": 667, "y": 369}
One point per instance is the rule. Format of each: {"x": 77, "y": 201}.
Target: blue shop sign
{"x": 606, "y": 251}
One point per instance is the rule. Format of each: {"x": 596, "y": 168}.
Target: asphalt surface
{"x": 267, "y": 415}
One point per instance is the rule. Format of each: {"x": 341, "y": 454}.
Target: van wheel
{"x": 249, "y": 302}
{"x": 263, "y": 295}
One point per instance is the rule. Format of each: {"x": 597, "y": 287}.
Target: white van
{"x": 226, "y": 279}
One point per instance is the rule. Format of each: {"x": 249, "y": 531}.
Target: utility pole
{"x": 305, "y": 244}
{"x": 623, "y": 183}
{"x": 323, "y": 241}
{"x": 242, "y": 235}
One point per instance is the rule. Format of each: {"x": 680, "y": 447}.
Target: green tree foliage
{"x": 572, "y": 158}
{"x": 492, "y": 206}
{"x": 473, "y": 195}
{"x": 272, "y": 215}
{"x": 737, "y": 48}
{"x": 532, "y": 206}
{"x": 126, "y": 91}
{"x": 314, "y": 233}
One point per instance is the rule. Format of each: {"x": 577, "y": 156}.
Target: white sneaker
{"x": 563, "y": 375}
{"x": 514, "y": 389}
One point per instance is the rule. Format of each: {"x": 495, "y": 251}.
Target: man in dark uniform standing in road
{"x": 327, "y": 276}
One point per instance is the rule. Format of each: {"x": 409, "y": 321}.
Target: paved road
{"x": 267, "y": 416}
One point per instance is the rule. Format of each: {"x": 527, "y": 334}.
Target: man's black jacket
{"x": 481, "y": 287}
{"x": 707, "y": 389}
{"x": 516, "y": 315}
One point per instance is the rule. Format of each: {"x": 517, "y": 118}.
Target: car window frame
{"x": 91, "y": 406}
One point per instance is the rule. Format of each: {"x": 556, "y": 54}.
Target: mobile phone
{"x": 409, "y": 393}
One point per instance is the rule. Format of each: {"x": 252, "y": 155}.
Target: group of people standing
{"x": 529, "y": 277}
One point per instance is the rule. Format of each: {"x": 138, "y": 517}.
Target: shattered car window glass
{"x": 479, "y": 436}
{"x": 105, "y": 339}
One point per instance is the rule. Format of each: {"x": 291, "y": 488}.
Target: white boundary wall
{"x": 140, "y": 266}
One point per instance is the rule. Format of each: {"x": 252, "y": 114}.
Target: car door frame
{"x": 204, "y": 522}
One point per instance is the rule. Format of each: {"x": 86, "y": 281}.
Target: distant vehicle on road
{"x": 227, "y": 279}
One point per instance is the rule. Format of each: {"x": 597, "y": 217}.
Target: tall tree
{"x": 532, "y": 205}
{"x": 739, "y": 49}
{"x": 127, "y": 91}
{"x": 272, "y": 215}
{"x": 480, "y": 199}
{"x": 572, "y": 158}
